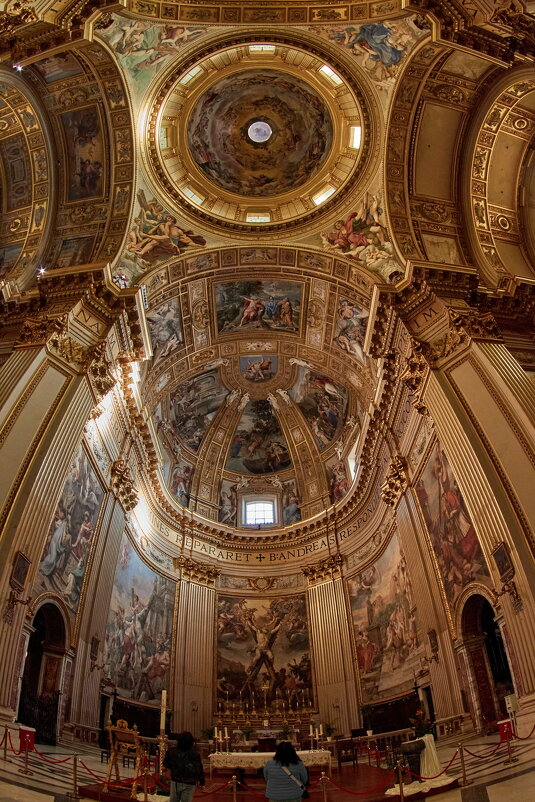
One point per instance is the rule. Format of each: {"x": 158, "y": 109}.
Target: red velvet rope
{"x": 12, "y": 747}
{"x": 255, "y": 793}
{"x": 47, "y": 760}
{"x": 4, "y": 738}
{"x": 364, "y": 793}
{"x": 418, "y": 777}
{"x": 81, "y": 762}
{"x": 483, "y": 757}
{"x": 526, "y": 738}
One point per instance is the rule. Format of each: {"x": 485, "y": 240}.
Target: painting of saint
{"x": 263, "y": 655}
{"x": 350, "y": 328}
{"x": 75, "y": 251}
{"x": 82, "y": 131}
{"x": 323, "y": 402}
{"x": 291, "y": 511}
{"x": 143, "y": 47}
{"x": 228, "y": 503}
{"x": 165, "y": 329}
{"x": 362, "y": 236}
{"x": 379, "y": 46}
{"x": 156, "y": 235}
{"x": 9, "y": 255}
{"x": 192, "y": 407}
{"x": 64, "y": 558}
{"x": 58, "y": 67}
{"x": 385, "y": 626}
{"x": 258, "y": 368}
{"x": 180, "y": 482}
{"x": 269, "y": 305}
{"x": 259, "y": 445}
{"x": 137, "y": 649}
{"x": 453, "y": 536}
{"x": 337, "y": 478}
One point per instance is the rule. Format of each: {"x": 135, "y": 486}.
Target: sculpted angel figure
{"x": 295, "y": 361}
{"x": 232, "y": 396}
{"x": 284, "y": 395}
{"x": 273, "y": 401}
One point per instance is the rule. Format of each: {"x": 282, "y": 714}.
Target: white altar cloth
{"x": 256, "y": 760}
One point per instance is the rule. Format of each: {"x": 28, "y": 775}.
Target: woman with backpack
{"x": 286, "y": 775}
{"x": 185, "y": 765}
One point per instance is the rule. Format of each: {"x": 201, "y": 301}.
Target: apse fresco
{"x": 228, "y": 503}
{"x": 291, "y": 510}
{"x": 263, "y": 653}
{"x": 337, "y": 479}
{"x": 165, "y": 328}
{"x": 137, "y": 651}
{"x": 193, "y": 405}
{"x": 259, "y": 133}
{"x": 143, "y": 47}
{"x": 454, "y": 539}
{"x": 362, "y": 236}
{"x": 155, "y": 236}
{"x": 269, "y": 305}
{"x": 350, "y": 327}
{"x": 58, "y": 67}
{"x": 68, "y": 544}
{"x": 85, "y": 153}
{"x": 379, "y": 47}
{"x": 180, "y": 481}
{"x": 384, "y": 619}
{"x": 9, "y": 255}
{"x": 258, "y": 368}
{"x": 18, "y": 172}
{"x": 259, "y": 445}
{"x": 323, "y": 402}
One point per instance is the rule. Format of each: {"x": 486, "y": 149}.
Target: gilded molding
{"x": 38, "y": 330}
{"x": 325, "y": 569}
{"x": 463, "y": 327}
{"x": 415, "y": 375}
{"x": 197, "y": 571}
{"x": 396, "y": 481}
{"x": 122, "y": 485}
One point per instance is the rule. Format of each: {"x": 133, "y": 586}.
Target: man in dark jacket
{"x": 186, "y": 768}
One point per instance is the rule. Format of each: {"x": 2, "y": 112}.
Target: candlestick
{"x": 311, "y": 731}
{"x": 321, "y": 729}
{"x": 163, "y": 711}
{"x": 226, "y": 733}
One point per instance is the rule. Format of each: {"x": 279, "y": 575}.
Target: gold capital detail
{"x": 396, "y": 481}
{"x": 197, "y": 571}
{"x": 122, "y": 485}
{"x": 326, "y": 569}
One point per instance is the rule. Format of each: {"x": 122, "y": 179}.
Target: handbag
{"x": 305, "y": 794}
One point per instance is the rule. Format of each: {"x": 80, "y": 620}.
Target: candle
{"x": 162, "y": 711}
{"x": 321, "y": 729}
{"x": 226, "y": 733}
{"x": 227, "y": 696}
{"x": 311, "y": 731}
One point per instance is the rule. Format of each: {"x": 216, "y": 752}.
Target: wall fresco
{"x": 453, "y": 536}
{"x": 384, "y": 619}
{"x": 66, "y": 552}
{"x": 193, "y": 405}
{"x": 259, "y": 368}
{"x": 58, "y": 67}
{"x": 350, "y": 328}
{"x": 259, "y": 445}
{"x": 165, "y": 328}
{"x": 137, "y": 651}
{"x": 85, "y": 153}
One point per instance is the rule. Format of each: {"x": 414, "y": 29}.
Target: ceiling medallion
{"x": 258, "y": 136}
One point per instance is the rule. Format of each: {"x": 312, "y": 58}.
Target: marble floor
{"x": 493, "y": 779}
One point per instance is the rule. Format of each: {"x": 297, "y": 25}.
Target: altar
{"x": 256, "y": 760}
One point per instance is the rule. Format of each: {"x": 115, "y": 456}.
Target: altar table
{"x": 256, "y": 760}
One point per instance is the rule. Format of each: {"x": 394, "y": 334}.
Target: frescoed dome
{"x": 259, "y": 133}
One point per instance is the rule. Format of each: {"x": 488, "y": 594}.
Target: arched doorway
{"x": 42, "y": 676}
{"x": 490, "y": 677}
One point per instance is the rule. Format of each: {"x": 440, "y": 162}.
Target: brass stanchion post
{"x": 74, "y": 794}
{"x": 510, "y": 756}
{"x": 145, "y": 780}
{"x": 25, "y": 770}
{"x": 6, "y": 735}
{"x": 234, "y": 784}
{"x": 400, "y": 782}
{"x": 324, "y": 779}
{"x": 464, "y": 781}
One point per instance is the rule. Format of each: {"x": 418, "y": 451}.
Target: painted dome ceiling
{"x": 259, "y": 133}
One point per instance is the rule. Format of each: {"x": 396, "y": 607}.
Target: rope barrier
{"x": 364, "y": 793}
{"x": 47, "y": 760}
{"x": 419, "y": 777}
{"x": 520, "y": 738}
{"x": 12, "y": 747}
{"x": 101, "y": 780}
{"x": 215, "y": 790}
{"x": 4, "y": 738}
{"x": 483, "y": 757}
{"x": 246, "y": 788}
